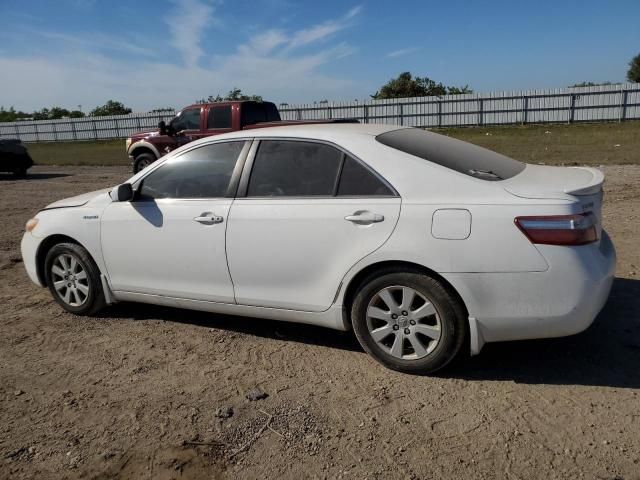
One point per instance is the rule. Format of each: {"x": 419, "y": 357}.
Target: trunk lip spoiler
{"x": 588, "y": 187}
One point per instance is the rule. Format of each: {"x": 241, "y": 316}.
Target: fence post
{"x": 329, "y": 112}
{"x": 95, "y": 130}
{"x": 37, "y": 134}
{"x": 572, "y": 107}
{"x": 15, "y": 126}
{"x": 55, "y": 132}
{"x": 117, "y": 128}
{"x": 525, "y": 110}
{"x": 439, "y": 113}
{"x": 366, "y": 114}
{"x": 73, "y": 130}
{"x": 401, "y": 105}
{"x": 138, "y": 124}
{"x": 623, "y": 106}
{"x": 480, "y": 111}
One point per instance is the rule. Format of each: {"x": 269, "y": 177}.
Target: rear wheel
{"x": 409, "y": 322}
{"x": 74, "y": 279}
{"x": 142, "y": 161}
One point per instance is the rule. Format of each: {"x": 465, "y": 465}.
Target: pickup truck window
{"x": 187, "y": 120}
{"x": 203, "y": 172}
{"x": 219, "y": 117}
{"x": 257, "y": 112}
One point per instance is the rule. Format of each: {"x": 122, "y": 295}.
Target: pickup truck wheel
{"x": 142, "y": 161}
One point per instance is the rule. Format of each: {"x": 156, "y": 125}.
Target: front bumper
{"x": 564, "y": 300}
{"x": 29, "y": 249}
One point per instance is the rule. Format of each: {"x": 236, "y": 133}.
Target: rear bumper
{"x": 564, "y": 300}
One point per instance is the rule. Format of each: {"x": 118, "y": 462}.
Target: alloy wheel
{"x": 70, "y": 280}
{"x": 403, "y": 322}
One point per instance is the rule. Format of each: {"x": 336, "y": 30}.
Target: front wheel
{"x": 409, "y": 322}
{"x": 142, "y": 161}
{"x": 74, "y": 279}
{"x": 20, "y": 172}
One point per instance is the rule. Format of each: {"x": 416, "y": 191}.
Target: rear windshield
{"x": 257, "y": 112}
{"x": 460, "y": 156}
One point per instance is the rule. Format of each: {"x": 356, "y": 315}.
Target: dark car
{"x": 14, "y": 157}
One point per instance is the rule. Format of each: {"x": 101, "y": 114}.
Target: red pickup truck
{"x": 203, "y": 120}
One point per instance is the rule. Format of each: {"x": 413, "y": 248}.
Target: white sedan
{"x": 424, "y": 245}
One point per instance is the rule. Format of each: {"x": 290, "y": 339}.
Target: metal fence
{"x": 564, "y": 105}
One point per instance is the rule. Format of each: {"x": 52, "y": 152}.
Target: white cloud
{"x": 187, "y": 22}
{"x": 402, "y": 52}
{"x": 268, "y": 64}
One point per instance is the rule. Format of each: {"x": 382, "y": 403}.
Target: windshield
{"x": 460, "y": 156}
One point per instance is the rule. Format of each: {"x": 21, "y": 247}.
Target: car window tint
{"x": 219, "y": 117}
{"x": 257, "y": 112}
{"x": 289, "y": 168}
{"x": 460, "y": 156}
{"x": 187, "y": 120}
{"x": 204, "y": 172}
{"x": 356, "y": 179}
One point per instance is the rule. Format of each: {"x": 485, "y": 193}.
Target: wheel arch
{"x": 140, "y": 149}
{"x": 354, "y": 284}
{"x": 46, "y": 245}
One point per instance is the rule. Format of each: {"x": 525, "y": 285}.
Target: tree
{"x": 11, "y": 115}
{"x": 110, "y": 108}
{"x": 232, "y": 95}
{"x": 408, "y": 86}
{"x": 591, "y": 84}
{"x": 633, "y": 74}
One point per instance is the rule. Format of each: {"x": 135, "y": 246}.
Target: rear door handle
{"x": 208, "y": 218}
{"x": 364, "y": 218}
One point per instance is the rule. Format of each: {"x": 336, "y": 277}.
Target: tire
{"x": 142, "y": 161}
{"x": 437, "y": 331}
{"x": 89, "y": 296}
{"x": 20, "y": 172}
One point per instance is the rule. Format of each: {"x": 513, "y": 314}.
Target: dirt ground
{"x": 157, "y": 393}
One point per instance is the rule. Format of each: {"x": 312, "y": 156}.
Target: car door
{"x": 170, "y": 240}
{"x": 306, "y": 212}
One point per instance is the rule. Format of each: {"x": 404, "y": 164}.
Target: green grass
{"x": 577, "y": 144}
{"x": 106, "y": 152}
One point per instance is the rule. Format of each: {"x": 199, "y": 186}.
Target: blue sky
{"x": 155, "y": 53}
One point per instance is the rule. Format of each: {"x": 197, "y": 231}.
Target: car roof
{"x": 321, "y": 131}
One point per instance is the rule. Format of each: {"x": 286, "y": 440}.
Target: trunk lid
{"x": 581, "y": 184}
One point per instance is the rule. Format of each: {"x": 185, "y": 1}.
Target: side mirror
{"x": 162, "y": 127}
{"x": 122, "y": 193}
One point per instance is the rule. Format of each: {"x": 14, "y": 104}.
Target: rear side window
{"x": 358, "y": 180}
{"x": 287, "y": 168}
{"x": 454, "y": 154}
{"x": 204, "y": 172}
{"x": 257, "y": 112}
{"x": 219, "y": 117}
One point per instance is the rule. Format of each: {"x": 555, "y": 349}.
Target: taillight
{"x": 578, "y": 229}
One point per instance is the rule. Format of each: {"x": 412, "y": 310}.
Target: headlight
{"x": 31, "y": 224}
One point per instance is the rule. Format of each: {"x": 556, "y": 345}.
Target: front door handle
{"x": 208, "y": 218}
{"x": 364, "y": 218}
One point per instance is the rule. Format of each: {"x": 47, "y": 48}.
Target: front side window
{"x": 204, "y": 172}
{"x": 186, "y": 120}
{"x": 219, "y": 117}
{"x": 284, "y": 168}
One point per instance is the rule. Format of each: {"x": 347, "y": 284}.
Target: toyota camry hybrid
{"x": 424, "y": 245}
